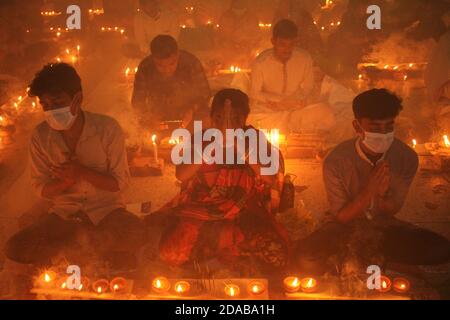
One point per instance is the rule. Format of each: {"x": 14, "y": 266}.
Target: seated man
{"x": 239, "y": 33}
{"x": 151, "y": 20}
{"x": 281, "y": 81}
{"x": 170, "y": 84}
{"x": 221, "y": 212}
{"x": 367, "y": 180}
{"x": 78, "y": 162}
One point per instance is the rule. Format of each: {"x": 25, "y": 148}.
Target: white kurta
{"x": 146, "y": 28}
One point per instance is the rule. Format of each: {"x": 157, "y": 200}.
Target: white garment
{"x": 275, "y": 81}
{"x": 146, "y": 28}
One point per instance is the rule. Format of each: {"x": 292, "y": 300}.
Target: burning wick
{"x": 182, "y": 287}
{"x": 446, "y": 141}
{"x": 161, "y": 284}
{"x": 385, "y": 284}
{"x": 414, "y": 143}
{"x": 291, "y": 284}
{"x": 309, "y": 285}
{"x": 256, "y": 288}
{"x": 232, "y": 290}
{"x": 100, "y": 286}
{"x": 48, "y": 277}
{"x": 118, "y": 284}
{"x": 155, "y": 148}
{"x": 401, "y": 285}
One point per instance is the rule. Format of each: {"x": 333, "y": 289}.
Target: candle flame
{"x": 158, "y": 284}
{"x": 154, "y": 139}
{"x": 310, "y": 283}
{"x": 255, "y": 289}
{"x": 179, "y": 288}
{"x": 47, "y": 277}
{"x": 99, "y": 290}
{"x": 446, "y": 141}
{"x": 384, "y": 285}
{"x": 116, "y": 287}
{"x": 81, "y": 287}
{"x": 414, "y": 142}
{"x": 360, "y": 76}
{"x": 294, "y": 282}
{"x": 63, "y": 285}
{"x": 232, "y": 291}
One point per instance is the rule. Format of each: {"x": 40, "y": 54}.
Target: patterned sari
{"x": 222, "y": 213}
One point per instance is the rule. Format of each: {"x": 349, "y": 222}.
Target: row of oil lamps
{"x": 162, "y": 285}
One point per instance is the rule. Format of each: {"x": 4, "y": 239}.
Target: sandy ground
{"x": 106, "y": 91}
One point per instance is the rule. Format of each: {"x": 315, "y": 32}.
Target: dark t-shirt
{"x": 170, "y": 99}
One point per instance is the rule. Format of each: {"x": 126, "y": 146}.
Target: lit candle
{"x": 232, "y": 290}
{"x": 47, "y": 278}
{"x": 385, "y": 284}
{"x": 414, "y": 143}
{"x": 155, "y": 148}
{"x": 100, "y": 286}
{"x": 308, "y": 285}
{"x": 118, "y": 285}
{"x": 446, "y": 141}
{"x": 182, "y": 287}
{"x": 255, "y": 288}
{"x": 161, "y": 285}
{"x": 401, "y": 285}
{"x": 291, "y": 284}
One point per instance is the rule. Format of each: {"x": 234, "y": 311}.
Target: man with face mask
{"x": 77, "y": 162}
{"x": 170, "y": 84}
{"x": 367, "y": 180}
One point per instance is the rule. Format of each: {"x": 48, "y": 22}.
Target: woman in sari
{"x": 226, "y": 212}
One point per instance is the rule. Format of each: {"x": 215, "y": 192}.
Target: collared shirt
{"x": 346, "y": 171}
{"x": 147, "y": 28}
{"x": 273, "y": 80}
{"x": 101, "y": 147}
{"x": 169, "y": 99}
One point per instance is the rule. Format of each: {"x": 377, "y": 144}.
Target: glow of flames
{"x": 99, "y": 289}
{"x": 154, "y": 139}
{"x": 47, "y": 277}
{"x": 310, "y": 283}
{"x": 446, "y": 141}
{"x": 295, "y": 282}
{"x": 158, "y": 284}
{"x": 116, "y": 287}
{"x": 414, "y": 143}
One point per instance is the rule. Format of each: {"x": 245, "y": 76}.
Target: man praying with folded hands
{"x": 78, "y": 162}
{"x": 367, "y": 180}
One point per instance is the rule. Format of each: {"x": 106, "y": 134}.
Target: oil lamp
{"x": 118, "y": 285}
{"x": 256, "y": 288}
{"x": 182, "y": 287}
{"x": 291, "y": 284}
{"x": 161, "y": 285}
{"x": 308, "y": 285}
{"x": 401, "y": 285}
{"x": 100, "y": 286}
{"x": 385, "y": 284}
{"x": 47, "y": 278}
{"x": 232, "y": 290}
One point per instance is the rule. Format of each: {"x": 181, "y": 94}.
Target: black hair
{"x": 163, "y": 46}
{"x": 55, "y": 78}
{"x": 377, "y": 104}
{"x": 285, "y": 29}
{"x": 239, "y": 101}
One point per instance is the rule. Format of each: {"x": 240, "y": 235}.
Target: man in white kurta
{"x": 281, "y": 82}
{"x": 152, "y": 20}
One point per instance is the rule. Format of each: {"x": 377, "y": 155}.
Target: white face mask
{"x": 378, "y": 142}
{"x": 60, "y": 119}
